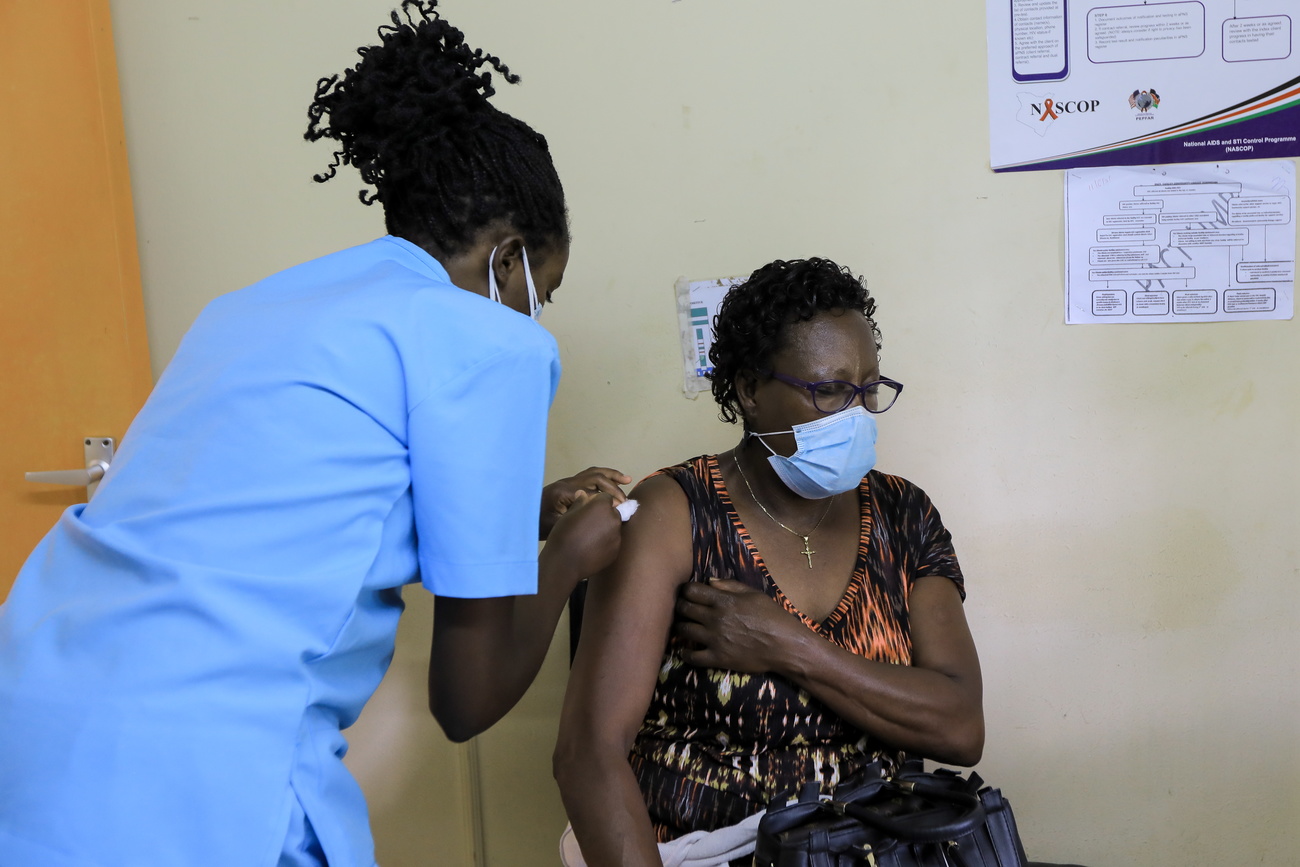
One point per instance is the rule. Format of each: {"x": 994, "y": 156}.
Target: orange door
{"x": 73, "y": 357}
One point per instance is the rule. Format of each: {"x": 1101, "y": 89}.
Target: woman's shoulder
{"x": 694, "y": 477}
{"x": 682, "y": 486}
{"x": 698, "y": 466}
{"x": 895, "y": 494}
{"x": 886, "y": 482}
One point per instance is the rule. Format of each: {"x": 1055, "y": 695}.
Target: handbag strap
{"x": 810, "y": 805}
{"x": 971, "y": 816}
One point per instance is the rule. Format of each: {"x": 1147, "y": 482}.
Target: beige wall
{"x": 1124, "y": 498}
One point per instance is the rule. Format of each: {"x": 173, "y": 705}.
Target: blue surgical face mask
{"x": 494, "y": 294}
{"x": 832, "y": 454}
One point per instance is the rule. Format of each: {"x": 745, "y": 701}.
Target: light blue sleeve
{"x": 477, "y": 446}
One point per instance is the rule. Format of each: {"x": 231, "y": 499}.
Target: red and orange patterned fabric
{"x": 717, "y": 746}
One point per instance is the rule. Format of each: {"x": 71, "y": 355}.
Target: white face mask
{"x": 494, "y": 294}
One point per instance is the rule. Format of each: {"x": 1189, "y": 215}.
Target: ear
{"x": 508, "y": 258}
{"x": 746, "y": 383}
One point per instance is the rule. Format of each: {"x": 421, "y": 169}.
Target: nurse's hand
{"x": 585, "y": 539}
{"x": 559, "y": 496}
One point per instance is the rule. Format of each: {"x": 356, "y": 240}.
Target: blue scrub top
{"x": 177, "y": 658}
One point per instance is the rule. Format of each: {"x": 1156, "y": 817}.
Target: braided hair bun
{"x": 413, "y": 117}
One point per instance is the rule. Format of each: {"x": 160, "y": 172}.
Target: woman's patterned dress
{"x": 717, "y": 746}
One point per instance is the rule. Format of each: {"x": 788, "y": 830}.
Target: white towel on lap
{"x": 696, "y": 849}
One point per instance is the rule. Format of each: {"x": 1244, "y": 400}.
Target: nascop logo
{"x": 1040, "y": 111}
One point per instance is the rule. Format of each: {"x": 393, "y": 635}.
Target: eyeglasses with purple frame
{"x": 832, "y": 395}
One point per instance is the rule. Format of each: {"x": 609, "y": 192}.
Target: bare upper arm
{"x": 627, "y": 618}
{"x": 941, "y": 639}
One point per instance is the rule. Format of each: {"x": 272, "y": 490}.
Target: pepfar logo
{"x": 1040, "y": 111}
{"x": 1144, "y": 102}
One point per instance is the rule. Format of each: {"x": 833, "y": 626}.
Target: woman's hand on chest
{"x": 730, "y": 625}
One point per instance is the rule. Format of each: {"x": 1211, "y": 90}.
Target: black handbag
{"x": 910, "y": 819}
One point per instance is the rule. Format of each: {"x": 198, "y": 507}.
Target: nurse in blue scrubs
{"x": 179, "y": 657}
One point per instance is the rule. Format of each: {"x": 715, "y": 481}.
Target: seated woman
{"x": 779, "y": 612}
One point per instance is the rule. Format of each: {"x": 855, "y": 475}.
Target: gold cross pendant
{"x": 807, "y": 551}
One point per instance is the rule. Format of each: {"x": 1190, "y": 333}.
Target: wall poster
{"x": 697, "y": 303}
{"x": 1192, "y": 243}
{"x": 1106, "y": 82}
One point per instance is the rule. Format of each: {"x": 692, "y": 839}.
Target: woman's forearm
{"x": 604, "y": 805}
{"x": 929, "y": 712}
{"x": 932, "y": 706}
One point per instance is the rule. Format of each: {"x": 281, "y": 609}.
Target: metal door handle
{"x": 89, "y": 475}
{"x": 99, "y": 454}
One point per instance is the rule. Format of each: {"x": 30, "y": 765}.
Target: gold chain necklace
{"x": 807, "y": 548}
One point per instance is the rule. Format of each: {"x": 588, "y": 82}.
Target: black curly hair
{"x": 413, "y": 118}
{"x": 752, "y": 322}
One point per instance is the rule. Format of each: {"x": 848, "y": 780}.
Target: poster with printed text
{"x": 697, "y": 303}
{"x": 1089, "y": 83}
{"x": 1188, "y": 243}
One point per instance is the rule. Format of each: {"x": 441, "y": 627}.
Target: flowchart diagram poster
{"x": 1188, "y": 243}
{"x": 1076, "y": 83}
